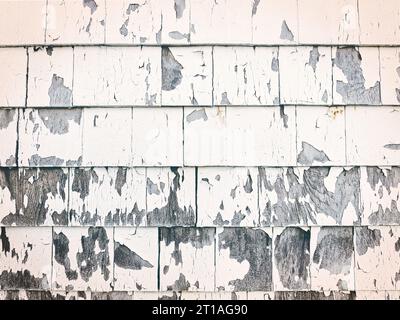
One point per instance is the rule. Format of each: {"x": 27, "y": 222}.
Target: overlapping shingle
{"x": 190, "y": 149}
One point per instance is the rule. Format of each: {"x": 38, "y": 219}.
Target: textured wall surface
{"x": 200, "y": 149}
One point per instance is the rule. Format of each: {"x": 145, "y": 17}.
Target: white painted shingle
{"x": 240, "y": 136}
{"x": 244, "y": 259}
{"x": 305, "y": 75}
{"x": 157, "y": 137}
{"x": 187, "y": 76}
{"x": 171, "y": 196}
{"x": 13, "y": 76}
{"x": 8, "y": 194}
{"x": 50, "y": 137}
{"x": 356, "y": 76}
{"x": 22, "y": 22}
{"x": 20, "y": 260}
{"x": 246, "y": 76}
{"x": 380, "y": 195}
{"x": 377, "y": 265}
{"x": 275, "y": 22}
{"x": 130, "y": 22}
{"x": 50, "y": 77}
{"x": 205, "y": 136}
{"x": 83, "y": 258}
{"x": 107, "y": 196}
{"x": 390, "y": 75}
{"x": 332, "y": 256}
{"x": 175, "y": 18}
{"x": 224, "y": 22}
{"x": 45, "y": 197}
{"x": 117, "y": 76}
{"x": 227, "y": 197}
{"x": 8, "y": 136}
{"x": 291, "y": 272}
{"x": 107, "y": 137}
{"x": 187, "y": 259}
{"x": 311, "y": 196}
{"x": 75, "y": 22}
{"x": 320, "y": 135}
{"x": 372, "y": 136}
{"x": 379, "y": 22}
{"x": 135, "y": 259}
{"x": 328, "y": 22}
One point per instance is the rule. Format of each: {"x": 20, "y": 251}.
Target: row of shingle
{"x": 223, "y": 136}
{"x": 200, "y": 259}
{"x": 185, "y": 76}
{"x": 199, "y": 22}
{"x": 192, "y": 295}
{"x": 202, "y": 197}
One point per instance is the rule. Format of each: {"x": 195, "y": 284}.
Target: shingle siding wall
{"x": 193, "y": 149}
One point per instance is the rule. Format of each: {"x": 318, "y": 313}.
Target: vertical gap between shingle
{"x": 272, "y": 258}
{"x": 73, "y": 74}
{"x": 279, "y": 75}
{"x": 145, "y": 193}
{"x": 345, "y": 108}
{"x": 68, "y": 193}
{"x": 196, "y": 179}
{"x": 82, "y": 132}
{"x": 345, "y": 135}
{"x": 258, "y": 196}
{"x": 332, "y": 78}
{"x": 354, "y": 257}
{"x": 131, "y": 143}
{"x": 27, "y": 77}
{"x": 183, "y": 136}
{"x": 295, "y": 123}
{"x": 225, "y": 128}
{"x": 161, "y": 64}
{"x": 17, "y": 186}
{"x": 158, "y": 257}
{"x": 215, "y": 259}
{"x": 311, "y": 229}
{"x": 380, "y": 75}
{"x": 45, "y": 22}
{"x": 17, "y": 142}
{"x": 18, "y": 199}
{"x": 359, "y": 21}
{"x": 212, "y": 77}
{"x": 113, "y": 262}
{"x": 51, "y": 259}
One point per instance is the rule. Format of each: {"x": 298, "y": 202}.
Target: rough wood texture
{"x": 193, "y": 149}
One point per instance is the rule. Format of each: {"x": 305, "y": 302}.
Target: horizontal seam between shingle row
{"x": 161, "y": 107}
{"x": 100, "y": 45}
